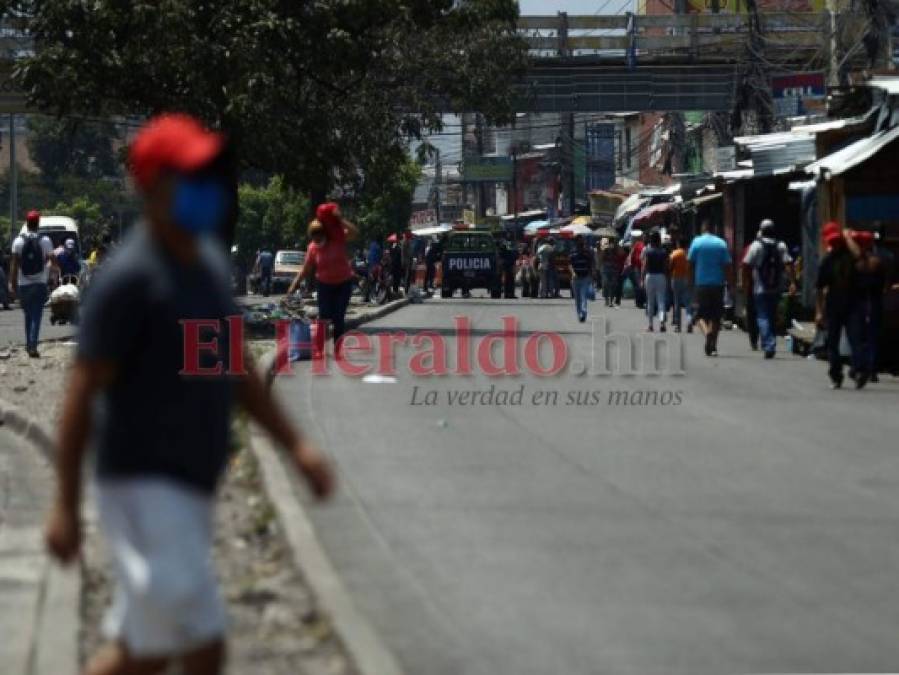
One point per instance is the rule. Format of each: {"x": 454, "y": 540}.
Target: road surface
{"x": 750, "y": 528}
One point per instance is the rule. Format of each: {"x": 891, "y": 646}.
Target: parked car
{"x": 286, "y": 266}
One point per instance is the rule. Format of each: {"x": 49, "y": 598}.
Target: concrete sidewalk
{"x": 39, "y": 603}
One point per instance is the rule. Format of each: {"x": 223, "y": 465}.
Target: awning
{"x": 705, "y": 199}
{"x": 536, "y": 225}
{"x": 630, "y": 205}
{"x": 852, "y": 155}
{"x": 577, "y": 229}
{"x": 431, "y": 231}
{"x": 652, "y": 214}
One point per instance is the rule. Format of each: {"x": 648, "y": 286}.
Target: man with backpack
{"x": 766, "y": 265}
{"x": 28, "y": 277}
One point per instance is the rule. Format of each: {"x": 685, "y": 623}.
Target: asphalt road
{"x": 749, "y": 529}
{"x": 12, "y": 327}
{"x": 12, "y": 322}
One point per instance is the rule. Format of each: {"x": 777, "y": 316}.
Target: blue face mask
{"x": 199, "y": 205}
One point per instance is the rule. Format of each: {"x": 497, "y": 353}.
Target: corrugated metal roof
{"x": 778, "y": 153}
{"x": 780, "y": 158}
{"x": 852, "y": 155}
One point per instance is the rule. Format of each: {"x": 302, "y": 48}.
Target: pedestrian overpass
{"x": 642, "y": 63}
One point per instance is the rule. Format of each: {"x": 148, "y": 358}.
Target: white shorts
{"x": 159, "y": 535}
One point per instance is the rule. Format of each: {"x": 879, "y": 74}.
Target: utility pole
{"x": 515, "y": 188}
{"x": 13, "y": 177}
{"x": 479, "y": 136}
{"x": 568, "y": 137}
{"x": 833, "y": 75}
{"x": 438, "y": 180}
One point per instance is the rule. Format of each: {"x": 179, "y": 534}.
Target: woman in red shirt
{"x": 326, "y": 257}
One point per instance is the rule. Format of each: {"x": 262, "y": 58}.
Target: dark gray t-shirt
{"x": 152, "y": 420}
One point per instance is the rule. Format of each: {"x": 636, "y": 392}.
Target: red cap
{"x": 172, "y": 141}
{"x": 33, "y": 216}
{"x": 327, "y": 214}
{"x": 831, "y": 232}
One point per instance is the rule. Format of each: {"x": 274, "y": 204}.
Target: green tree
{"x": 273, "y": 216}
{"x": 92, "y": 224}
{"x": 319, "y": 92}
{"x": 72, "y": 147}
{"x": 385, "y": 202}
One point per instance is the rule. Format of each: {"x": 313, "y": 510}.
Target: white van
{"x": 58, "y": 229}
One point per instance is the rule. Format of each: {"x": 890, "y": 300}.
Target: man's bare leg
{"x": 113, "y": 659}
{"x": 206, "y": 660}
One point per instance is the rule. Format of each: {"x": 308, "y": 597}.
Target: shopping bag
{"x": 299, "y": 346}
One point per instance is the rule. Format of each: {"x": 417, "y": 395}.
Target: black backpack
{"x": 770, "y": 270}
{"x": 32, "y": 256}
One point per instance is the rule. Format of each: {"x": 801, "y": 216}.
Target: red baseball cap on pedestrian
{"x": 831, "y": 233}
{"x": 33, "y": 216}
{"x": 326, "y": 214}
{"x": 174, "y": 142}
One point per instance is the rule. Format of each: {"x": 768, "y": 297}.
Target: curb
{"x": 366, "y": 650}
{"x": 58, "y": 607}
{"x": 382, "y": 311}
{"x": 267, "y": 362}
{"x": 369, "y": 654}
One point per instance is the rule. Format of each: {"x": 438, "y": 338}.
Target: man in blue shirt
{"x": 710, "y": 261}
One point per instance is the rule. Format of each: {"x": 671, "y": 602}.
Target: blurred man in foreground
{"x": 164, "y": 436}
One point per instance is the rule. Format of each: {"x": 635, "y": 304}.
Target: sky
{"x": 544, "y": 7}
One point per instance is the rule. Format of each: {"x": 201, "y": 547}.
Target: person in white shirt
{"x": 28, "y": 276}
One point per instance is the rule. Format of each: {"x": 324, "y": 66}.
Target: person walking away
{"x": 609, "y": 270}
{"x": 871, "y": 284}
{"x": 408, "y": 261}
{"x": 396, "y": 264}
{"x": 163, "y": 437}
{"x": 632, "y": 269}
{"x": 544, "y": 263}
{"x": 508, "y": 257}
{"x": 580, "y": 267}
{"x": 67, "y": 260}
{"x": 710, "y": 266}
{"x": 621, "y": 257}
{"x": 372, "y": 261}
{"x": 884, "y": 276}
{"x": 654, "y": 270}
{"x": 32, "y": 252}
{"x": 431, "y": 257}
{"x": 679, "y": 272}
{"x": 4, "y": 283}
{"x": 767, "y": 265}
{"x": 839, "y": 305}
{"x": 751, "y": 318}
{"x": 265, "y": 263}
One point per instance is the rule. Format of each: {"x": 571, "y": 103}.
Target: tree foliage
{"x": 72, "y": 147}
{"x": 323, "y": 92}
{"x": 386, "y": 205}
{"x": 272, "y": 216}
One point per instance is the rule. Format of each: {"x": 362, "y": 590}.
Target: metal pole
{"x": 13, "y": 177}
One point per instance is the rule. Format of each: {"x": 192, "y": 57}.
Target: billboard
{"x": 487, "y": 170}
{"x": 796, "y": 94}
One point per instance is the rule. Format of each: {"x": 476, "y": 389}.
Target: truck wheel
{"x": 496, "y": 292}
{"x": 446, "y": 292}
